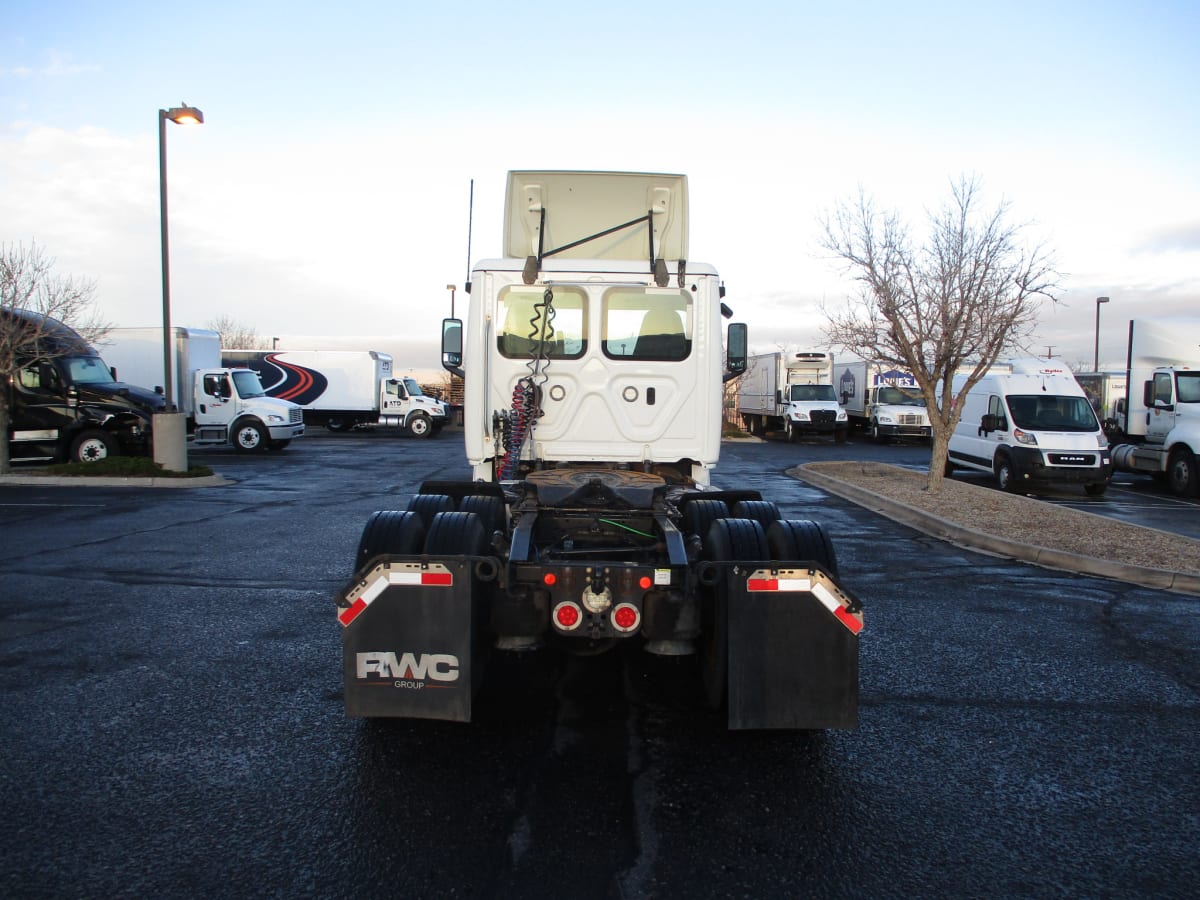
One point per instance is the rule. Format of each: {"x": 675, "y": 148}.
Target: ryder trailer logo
{"x": 410, "y": 670}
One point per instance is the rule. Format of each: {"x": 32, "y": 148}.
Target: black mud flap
{"x": 410, "y": 645}
{"x": 793, "y": 650}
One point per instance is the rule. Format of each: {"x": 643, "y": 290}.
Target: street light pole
{"x": 180, "y": 115}
{"x": 451, "y": 288}
{"x": 1096, "y": 361}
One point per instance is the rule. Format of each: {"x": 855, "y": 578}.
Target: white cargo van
{"x": 1030, "y": 423}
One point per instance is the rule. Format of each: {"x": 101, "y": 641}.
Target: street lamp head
{"x": 183, "y": 115}
{"x": 1101, "y": 299}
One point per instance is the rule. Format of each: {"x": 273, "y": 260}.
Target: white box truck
{"x": 793, "y": 395}
{"x": 1161, "y": 426}
{"x": 1030, "y": 424}
{"x": 593, "y": 360}
{"x": 223, "y": 405}
{"x": 885, "y": 401}
{"x": 343, "y": 389}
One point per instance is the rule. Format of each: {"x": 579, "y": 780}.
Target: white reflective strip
{"x": 822, "y": 593}
{"x": 404, "y": 577}
{"x": 377, "y": 587}
{"x": 794, "y": 584}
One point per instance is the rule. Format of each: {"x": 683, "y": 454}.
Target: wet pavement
{"x": 171, "y": 711}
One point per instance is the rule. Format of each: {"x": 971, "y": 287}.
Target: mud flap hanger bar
{"x": 708, "y": 572}
{"x": 658, "y": 267}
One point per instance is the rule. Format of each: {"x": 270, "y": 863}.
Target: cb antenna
{"x": 470, "y": 216}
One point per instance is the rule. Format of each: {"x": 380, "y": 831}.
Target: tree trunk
{"x": 5, "y": 467}
{"x": 938, "y": 446}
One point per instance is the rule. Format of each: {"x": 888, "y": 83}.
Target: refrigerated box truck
{"x": 792, "y": 395}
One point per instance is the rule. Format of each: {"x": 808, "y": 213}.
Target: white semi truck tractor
{"x": 593, "y": 363}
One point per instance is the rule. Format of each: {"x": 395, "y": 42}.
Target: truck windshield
{"x": 87, "y": 370}
{"x": 1052, "y": 413}
{"x": 812, "y": 392}
{"x": 247, "y": 385}
{"x": 414, "y": 389}
{"x": 1188, "y": 387}
{"x": 898, "y": 396}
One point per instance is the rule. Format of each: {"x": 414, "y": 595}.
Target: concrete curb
{"x": 113, "y": 481}
{"x": 990, "y": 543}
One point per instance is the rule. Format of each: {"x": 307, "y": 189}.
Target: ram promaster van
{"x": 1029, "y": 423}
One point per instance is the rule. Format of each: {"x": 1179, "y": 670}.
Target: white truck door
{"x": 214, "y": 398}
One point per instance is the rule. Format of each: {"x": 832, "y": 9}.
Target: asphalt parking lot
{"x": 170, "y": 689}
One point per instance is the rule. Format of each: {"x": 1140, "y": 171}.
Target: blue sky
{"x": 327, "y": 193}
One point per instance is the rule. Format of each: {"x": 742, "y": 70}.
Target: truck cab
{"x": 593, "y": 363}
{"x": 65, "y": 405}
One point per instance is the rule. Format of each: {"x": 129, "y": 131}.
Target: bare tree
{"x": 949, "y": 306}
{"x": 236, "y": 335}
{"x": 34, "y": 304}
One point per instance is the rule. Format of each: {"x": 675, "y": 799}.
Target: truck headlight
{"x": 841, "y": 415}
{"x": 800, "y": 416}
{"x": 275, "y": 419}
{"x": 886, "y": 420}
{"x": 1023, "y": 437}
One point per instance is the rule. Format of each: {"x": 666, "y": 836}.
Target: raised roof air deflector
{"x": 555, "y": 214}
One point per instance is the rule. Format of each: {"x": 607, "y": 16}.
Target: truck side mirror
{"x": 452, "y": 346}
{"x": 736, "y": 348}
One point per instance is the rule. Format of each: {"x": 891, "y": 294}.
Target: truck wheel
{"x": 793, "y": 433}
{"x": 419, "y": 426}
{"x": 429, "y": 505}
{"x": 92, "y": 446}
{"x": 457, "y": 534}
{"x": 336, "y": 425}
{"x": 728, "y": 540}
{"x": 489, "y": 509}
{"x": 801, "y": 540}
{"x": 876, "y": 434}
{"x": 1181, "y": 473}
{"x": 1004, "y": 473}
{"x": 762, "y": 511}
{"x": 698, "y": 515}
{"x": 249, "y": 436}
{"x": 389, "y": 532}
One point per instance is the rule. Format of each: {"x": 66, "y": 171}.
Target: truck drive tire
{"x": 762, "y": 511}
{"x": 389, "y": 532}
{"x": 727, "y": 540}
{"x": 801, "y": 540}
{"x": 426, "y": 506}
{"x": 249, "y": 436}
{"x": 419, "y": 426}
{"x": 698, "y": 515}
{"x": 489, "y": 509}
{"x": 93, "y": 445}
{"x": 1182, "y": 473}
{"x": 456, "y": 534}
